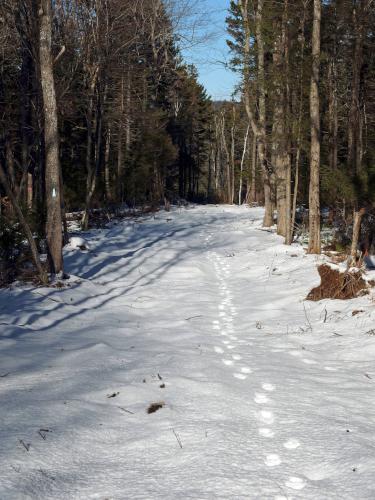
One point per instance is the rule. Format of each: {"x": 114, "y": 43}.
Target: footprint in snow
{"x": 296, "y": 354}
{"x": 272, "y": 460}
{"x": 265, "y": 432}
{"x": 246, "y": 369}
{"x": 268, "y": 387}
{"x": 309, "y": 361}
{"x": 261, "y": 399}
{"x": 296, "y": 483}
{"x": 227, "y": 362}
{"x": 292, "y": 444}
{"x": 267, "y": 417}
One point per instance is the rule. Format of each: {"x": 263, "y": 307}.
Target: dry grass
{"x": 337, "y": 285}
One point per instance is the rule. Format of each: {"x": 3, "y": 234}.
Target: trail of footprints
{"x": 224, "y": 327}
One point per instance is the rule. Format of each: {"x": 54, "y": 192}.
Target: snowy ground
{"x": 266, "y": 396}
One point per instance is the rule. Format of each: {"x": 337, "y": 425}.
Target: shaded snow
{"x": 266, "y": 396}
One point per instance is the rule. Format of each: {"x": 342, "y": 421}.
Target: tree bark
{"x": 253, "y": 192}
{"x": 280, "y": 136}
{"x": 242, "y": 164}
{"x": 89, "y": 122}
{"x": 51, "y": 136}
{"x": 92, "y": 180}
{"x": 314, "y": 188}
{"x": 299, "y": 122}
{"x": 268, "y": 203}
{"x": 120, "y": 156}
{"x": 258, "y": 127}
{"x": 357, "y": 220}
{"x": 107, "y": 174}
{"x": 355, "y": 147}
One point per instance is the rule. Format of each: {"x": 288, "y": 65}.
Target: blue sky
{"x": 211, "y": 54}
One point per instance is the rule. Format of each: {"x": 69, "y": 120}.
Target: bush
{"x": 12, "y": 247}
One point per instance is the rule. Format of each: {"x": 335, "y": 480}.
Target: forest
{"x": 187, "y": 277}
{"x": 99, "y": 111}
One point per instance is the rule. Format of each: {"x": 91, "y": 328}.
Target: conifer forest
{"x": 187, "y": 278}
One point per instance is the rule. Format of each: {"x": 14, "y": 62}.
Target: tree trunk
{"x": 51, "y": 135}
{"x": 232, "y": 156}
{"x": 91, "y": 185}
{"x": 89, "y": 166}
{"x": 107, "y": 174}
{"x": 357, "y": 219}
{"x": 258, "y": 128}
{"x": 227, "y": 158}
{"x": 254, "y": 170}
{"x": 120, "y": 161}
{"x": 268, "y": 203}
{"x": 332, "y": 115}
{"x": 314, "y": 194}
{"x": 355, "y": 118}
{"x": 242, "y": 164}
{"x": 299, "y": 123}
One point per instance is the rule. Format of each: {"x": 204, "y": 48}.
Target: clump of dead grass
{"x": 338, "y": 285}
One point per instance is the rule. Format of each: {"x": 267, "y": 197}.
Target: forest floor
{"x": 264, "y": 395}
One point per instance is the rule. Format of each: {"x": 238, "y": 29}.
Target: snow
{"x": 76, "y": 242}
{"x": 267, "y": 396}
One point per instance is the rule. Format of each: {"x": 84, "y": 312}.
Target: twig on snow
{"x": 178, "y": 438}
{"x": 125, "y": 410}
{"x": 25, "y": 445}
{"x": 307, "y": 318}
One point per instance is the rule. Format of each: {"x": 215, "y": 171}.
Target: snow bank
{"x": 77, "y": 243}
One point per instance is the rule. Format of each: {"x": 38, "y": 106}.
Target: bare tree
{"x": 51, "y": 137}
{"x": 244, "y": 152}
{"x": 314, "y": 189}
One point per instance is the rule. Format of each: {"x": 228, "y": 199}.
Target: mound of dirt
{"x": 338, "y": 285}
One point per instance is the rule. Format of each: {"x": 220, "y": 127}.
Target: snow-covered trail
{"x": 266, "y": 396}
